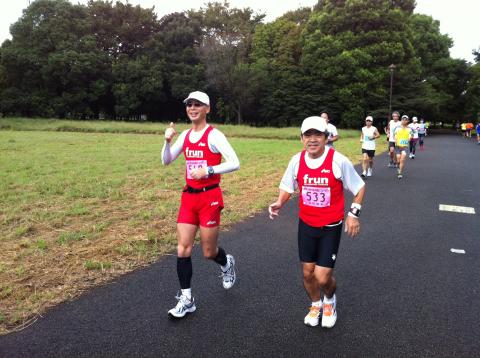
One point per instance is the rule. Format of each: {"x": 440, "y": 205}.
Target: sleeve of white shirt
{"x": 348, "y": 175}
{"x": 333, "y": 130}
{"x": 289, "y": 182}
{"x": 218, "y": 143}
{"x": 171, "y": 152}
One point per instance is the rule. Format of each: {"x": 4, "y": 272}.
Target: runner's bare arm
{"x": 274, "y": 208}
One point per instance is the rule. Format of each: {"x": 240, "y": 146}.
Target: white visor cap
{"x": 199, "y": 96}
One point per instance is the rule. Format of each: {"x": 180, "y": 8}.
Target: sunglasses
{"x": 194, "y": 104}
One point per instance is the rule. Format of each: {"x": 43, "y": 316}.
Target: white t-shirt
{"x": 217, "y": 142}
{"x": 368, "y": 138}
{"x": 341, "y": 166}
{"x": 422, "y": 128}
{"x": 332, "y": 132}
{"x": 414, "y": 127}
{"x": 393, "y": 125}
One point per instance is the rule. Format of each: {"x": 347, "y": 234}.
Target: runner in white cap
{"x": 367, "y": 137}
{"x": 402, "y": 136}
{"x": 320, "y": 173}
{"x": 414, "y": 126}
{"x": 202, "y": 201}
{"x": 390, "y": 132}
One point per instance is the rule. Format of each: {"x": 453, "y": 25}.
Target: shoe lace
{"x": 327, "y": 309}
{"x": 314, "y": 311}
{"x": 228, "y": 275}
{"x": 182, "y": 299}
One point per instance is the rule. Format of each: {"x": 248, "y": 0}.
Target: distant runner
{"x": 422, "y": 133}
{"x": 203, "y": 147}
{"x": 332, "y": 130}
{"x": 320, "y": 173}
{"x": 367, "y": 137}
{"x": 403, "y": 134}
{"x": 477, "y": 129}
{"x": 390, "y": 132}
{"x": 413, "y": 141}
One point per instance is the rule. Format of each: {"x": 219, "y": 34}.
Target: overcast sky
{"x": 457, "y": 18}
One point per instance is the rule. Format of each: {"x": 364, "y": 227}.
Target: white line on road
{"x": 457, "y": 209}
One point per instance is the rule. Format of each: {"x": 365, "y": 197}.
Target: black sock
{"x": 221, "y": 257}
{"x": 184, "y": 271}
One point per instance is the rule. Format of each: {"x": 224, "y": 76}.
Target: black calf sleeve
{"x": 221, "y": 257}
{"x": 184, "y": 271}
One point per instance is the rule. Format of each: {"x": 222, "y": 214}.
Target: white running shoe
{"x": 364, "y": 174}
{"x": 229, "y": 276}
{"x": 184, "y": 306}
{"x": 369, "y": 172}
{"x": 329, "y": 316}
{"x": 313, "y": 317}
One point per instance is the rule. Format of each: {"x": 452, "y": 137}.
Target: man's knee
{"x": 308, "y": 273}
{"x": 184, "y": 250}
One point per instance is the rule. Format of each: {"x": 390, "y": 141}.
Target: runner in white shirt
{"x": 414, "y": 126}
{"x": 390, "y": 132}
{"x": 321, "y": 174}
{"x": 367, "y": 137}
{"x": 332, "y": 130}
{"x": 422, "y": 132}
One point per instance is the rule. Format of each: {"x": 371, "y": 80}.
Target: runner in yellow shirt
{"x": 403, "y": 134}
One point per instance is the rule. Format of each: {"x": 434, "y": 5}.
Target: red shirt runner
{"x": 321, "y": 201}
{"x": 199, "y": 155}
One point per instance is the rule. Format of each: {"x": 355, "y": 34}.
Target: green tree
{"x": 347, "y": 48}
{"x": 224, "y": 50}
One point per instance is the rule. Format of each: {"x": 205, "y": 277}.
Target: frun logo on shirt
{"x": 314, "y": 181}
{"x": 193, "y": 153}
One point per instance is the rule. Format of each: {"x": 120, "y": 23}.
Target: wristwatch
{"x": 210, "y": 171}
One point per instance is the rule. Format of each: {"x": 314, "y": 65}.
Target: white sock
{"x": 187, "y": 292}
{"x": 317, "y": 303}
{"x": 329, "y": 300}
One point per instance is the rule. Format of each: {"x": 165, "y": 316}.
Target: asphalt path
{"x": 401, "y": 291}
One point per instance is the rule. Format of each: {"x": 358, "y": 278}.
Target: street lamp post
{"x": 392, "y": 69}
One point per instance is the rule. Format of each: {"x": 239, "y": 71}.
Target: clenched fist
{"x": 170, "y": 132}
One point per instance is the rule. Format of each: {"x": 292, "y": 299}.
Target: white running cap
{"x": 199, "y": 96}
{"x": 414, "y": 119}
{"x": 314, "y": 122}
{"x": 369, "y": 118}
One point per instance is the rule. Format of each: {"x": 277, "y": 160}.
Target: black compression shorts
{"x": 319, "y": 244}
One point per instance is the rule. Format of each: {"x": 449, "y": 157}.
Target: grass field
{"x": 83, "y": 202}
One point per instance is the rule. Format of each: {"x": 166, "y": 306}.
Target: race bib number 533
{"x": 195, "y": 164}
{"x": 318, "y": 197}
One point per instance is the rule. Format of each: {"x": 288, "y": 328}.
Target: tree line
{"x": 119, "y": 61}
